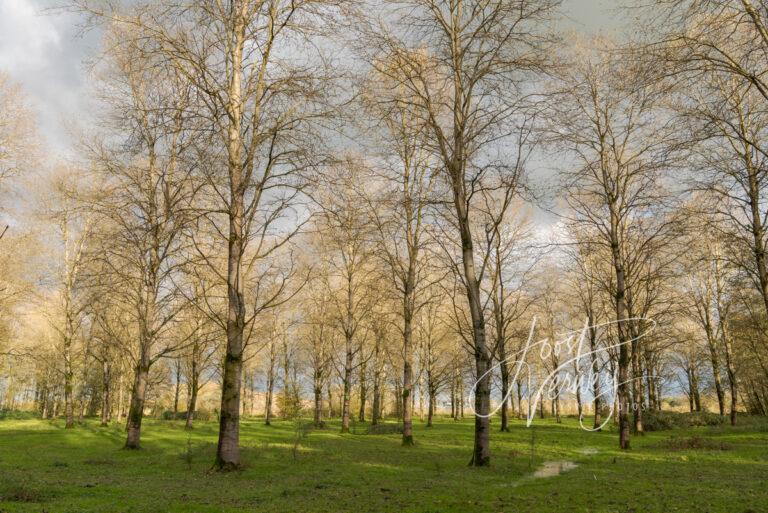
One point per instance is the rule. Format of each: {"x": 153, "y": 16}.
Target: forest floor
{"x": 45, "y": 468}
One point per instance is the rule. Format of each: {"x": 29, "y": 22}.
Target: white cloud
{"x": 28, "y": 39}
{"x": 43, "y": 51}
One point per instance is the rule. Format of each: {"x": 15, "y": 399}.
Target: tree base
{"x": 226, "y": 466}
{"x": 408, "y": 441}
{"x": 477, "y": 462}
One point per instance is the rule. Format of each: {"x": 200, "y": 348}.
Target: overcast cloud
{"x": 42, "y": 51}
{"x": 45, "y": 52}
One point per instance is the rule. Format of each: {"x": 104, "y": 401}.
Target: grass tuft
{"x": 677, "y": 443}
{"x": 21, "y": 493}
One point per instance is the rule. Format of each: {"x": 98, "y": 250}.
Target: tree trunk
{"x": 106, "y": 394}
{"x": 376, "y": 408}
{"x": 595, "y": 373}
{"x": 481, "y": 454}
{"x": 287, "y": 393}
{"x": 136, "y": 409}
{"x": 83, "y": 407}
{"x": 120, "y": 396}
{"x": 758, "y": 235}
{"x": 504, "y": 388}
{"x": 363, "y": 393}
{"x": 44, "y": 404}
{"x": 695, "y": 386}
{"x": 731, "y": 375}
{"x": 270, "y": 392}
{"x": 407, "y": 379}
{"x": 244, "y": 394}
{"x": 715, "y": 360}
{"x": 579, "y": 405}
{"x": 637, "y": 393}
{"x": 193, "y": 389}
{"x": 650, "y": 384}
{"x": 454, "y": 403}
{"x": 318, "y": 412}
{"x": 421, "y": 398}
{"x": 621, "y": 316}
{"x": 69, "y": 413}
{"x": 177, "y": 390}
{"x": 651, "y": 390}
{"x": 691, "y": 406}
{"x": 228, "y": 448}
{"x": 345, "y": 414}
{"x": 84, "y": 393}
{"x": 430, "y": 406}
{"x": 482, "y": 448}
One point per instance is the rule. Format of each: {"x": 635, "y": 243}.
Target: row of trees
{"x": 327, "y": 195}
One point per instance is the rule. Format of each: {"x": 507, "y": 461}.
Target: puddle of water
{"x": 554, "y": 468}
{"x": 588, "y": 451}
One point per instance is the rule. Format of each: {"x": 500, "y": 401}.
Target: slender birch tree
{"x": 462, "y": 64}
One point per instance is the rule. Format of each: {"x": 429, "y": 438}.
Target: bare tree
{"x": 319, "y": 336}
{"x": 605, "y": 116}
{"x": 461, "y": 63}
{"x": 73, "y": 229}
{"x": 708, "y": 285}
{"x": 144, "y": 201}
{"x": 400, "y": 212}
{"x": 201, "y": 336}
{"x": 257, "y": 103}
{"x": 435, "y": 352}
{"x": 512, "y": 260}
{"x": 701, "y": 38}
{"x": 346, "y": 236}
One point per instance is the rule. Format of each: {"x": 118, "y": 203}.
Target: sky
{"x": 43, "y": 52}
{"x": 46, "y": 52}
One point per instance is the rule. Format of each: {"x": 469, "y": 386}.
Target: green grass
{"x": 45, "y": 468}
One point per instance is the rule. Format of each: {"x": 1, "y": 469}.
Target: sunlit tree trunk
{"x": 318, "y": 409}
{"x": 106, "y": 393}
{"x": 347, "y": 387}
{"x": 136, "y": 409}
{"x": 407, "y": 389}
{"x": 194, "y": 387}
{"x": 363, "y": 391}
{"x": 505, "y": 387}
{"x": 376, "y": 407}
{"x": 270, "y": 387}
{"x": 177, "y": 387}
{"x": 597, "y": 405}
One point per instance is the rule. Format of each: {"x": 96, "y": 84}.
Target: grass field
{"x": 44, "y": 468}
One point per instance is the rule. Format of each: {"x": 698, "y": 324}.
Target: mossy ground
{"x": 45, "y": 468}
